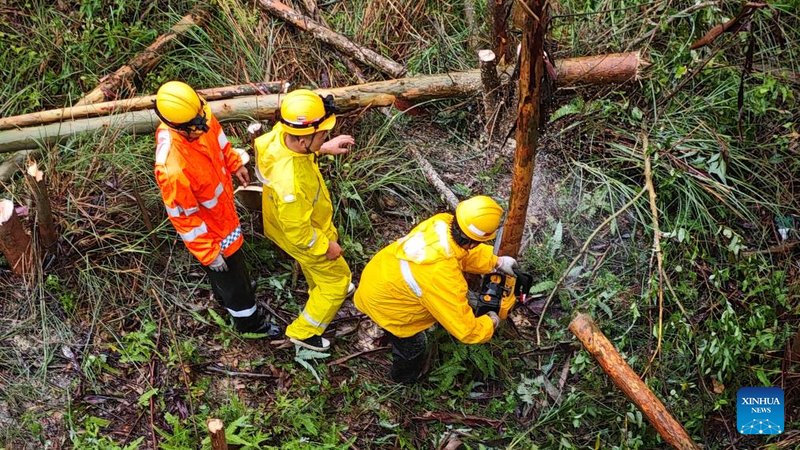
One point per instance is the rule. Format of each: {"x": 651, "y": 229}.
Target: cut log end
{"x": 214, "y": 425}
{"x": 6, "y": 210}
{"x": 35, "y": 173}
{"x": 486, "y": 55}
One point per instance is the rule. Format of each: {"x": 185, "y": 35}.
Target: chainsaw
{"x": 500, "y": 291}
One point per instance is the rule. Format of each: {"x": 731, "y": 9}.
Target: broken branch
{"x": 44, "y": 215}
{"x": 598, "y": 345}
{"x": 330, "y": 37}
{"x": 144, "y": 61}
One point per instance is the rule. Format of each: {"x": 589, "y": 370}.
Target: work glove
{"x": 495, "y": 318}
{"x": 218, "y": 264}
{"x": 243, "y": 154}
{"x": 506, "y": 264}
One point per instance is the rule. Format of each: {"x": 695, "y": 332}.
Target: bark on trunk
{"x": 330, "y": 37}
{"x": 217, "y": 431}
{"x": 14, "y": 241}
{"x": 381, "y": 93}
{"x": 498, "y": 15}
{"x": 491, "y": 88}
{"x": 531, "y": 76}
{"x": 136, "y": 104}
{"x": 44, "y": 215}
{"x": 143, "y": 62}
{"x": 626, "y": 379}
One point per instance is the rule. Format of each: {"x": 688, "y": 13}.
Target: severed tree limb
{"x": 651, "y": 190}
{"x": 110, "y": 85}
{"x": 598, "y": 345}
{"x": 44, "y": 215}
{"x": 14, "y": 241}
{"x": 588, "y": 70}
{"x": 313, "y": 11}
{"x": 330, "y": 37}
{"x": 136, "y": 104}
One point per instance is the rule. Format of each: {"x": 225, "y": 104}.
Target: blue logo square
{"x": 759, "y": 410}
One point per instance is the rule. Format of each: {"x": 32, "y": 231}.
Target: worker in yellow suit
{"x": 419, "y": 280}
{"x": 298, "y": 213}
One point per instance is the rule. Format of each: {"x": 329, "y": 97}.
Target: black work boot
{"x": 258, "y": 323}
{"x": 408, "y": 357}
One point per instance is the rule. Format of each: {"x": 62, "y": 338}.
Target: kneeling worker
{"x": 298, "y": 213}
{"x": 419, "y": 280}
{"x": 193, "y": 168}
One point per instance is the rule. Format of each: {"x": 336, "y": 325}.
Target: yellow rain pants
{"x": 298, "y": 217}
{"x": 419, "y": 280}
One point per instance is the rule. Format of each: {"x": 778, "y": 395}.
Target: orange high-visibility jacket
{"x": 197, "y": 189}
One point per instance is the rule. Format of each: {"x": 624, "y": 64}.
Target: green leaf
{"x": 543, "y": 286}
{"x": 144, "y": 399}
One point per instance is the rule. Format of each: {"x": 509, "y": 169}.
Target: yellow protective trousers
{"x": 327, "y": 287}
{"x": 298, "y": 217}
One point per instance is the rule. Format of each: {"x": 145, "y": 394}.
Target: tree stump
{"x": 491, "y": 89}
{"x": 14, "y": 241}
{"x": 44, "y": 215}
{"x": 217, "y": 431}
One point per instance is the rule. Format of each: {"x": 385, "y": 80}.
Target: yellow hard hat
{"x": 180, "y": 107}
{"x": 303, "y": 112}
{"x": 479, "y": 217}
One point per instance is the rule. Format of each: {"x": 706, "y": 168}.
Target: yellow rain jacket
{"x": 298, "y": 217}
{"x": 418, "y": 281}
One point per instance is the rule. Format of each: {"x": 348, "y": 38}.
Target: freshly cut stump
{"x": 14, "y": 241}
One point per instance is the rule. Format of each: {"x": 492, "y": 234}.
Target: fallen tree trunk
{"x": 144, "y": 61}
{"x": 136, "y": 104}
{"x": 14, "y": 241}
{"x": 626, "y": 379}
{"x": 597, "y": 69}
{"x": 330, "y": 37}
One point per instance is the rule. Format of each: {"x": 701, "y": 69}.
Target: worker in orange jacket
{"x": 193, "y": 168}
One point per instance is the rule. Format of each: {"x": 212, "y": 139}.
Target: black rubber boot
{"x": 408, "y": 357}
{"x": 258, "y": 323}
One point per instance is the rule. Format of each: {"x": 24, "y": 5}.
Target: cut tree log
{"x": 330, "y": 37}
{"x": 217, "y": 431}
{"x": 144, "y": 61}
{"x": 14, "y": 241}
{"x": 531, "y": 77}
{"x": 44, "y": 215}
{"x": 491, "y": 88}
{"x": 136, "y": 104}
{"x": 626, "y": 379}
{"x": 602, "y": 69}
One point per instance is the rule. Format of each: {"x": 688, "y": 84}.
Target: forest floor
{"x": 118, "y": 343}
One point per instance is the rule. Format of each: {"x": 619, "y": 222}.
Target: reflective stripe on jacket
{"x": 296, "y": 200}
{"x": 197, "y": 189}
{"x": 419, "y": 280}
